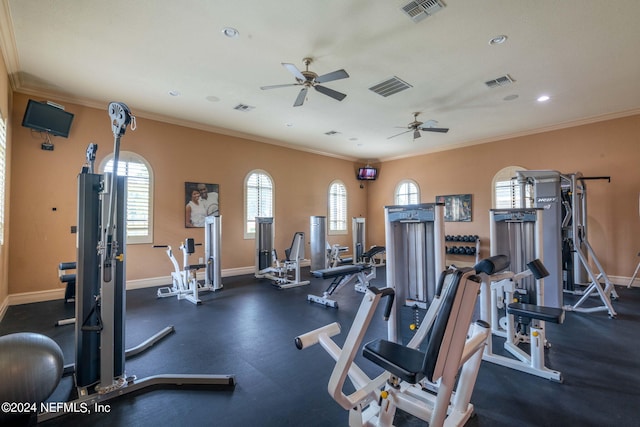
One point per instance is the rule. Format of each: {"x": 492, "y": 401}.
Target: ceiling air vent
{"x": 390, "y": 86}
{"x": 243, "y": 107}
{"x": 500, "y": 81}
{"x": 417, "y": 10}
{"x": 331, "y": 132}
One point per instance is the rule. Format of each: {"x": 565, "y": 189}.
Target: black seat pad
{"x": 548, "y": 314}
{"x": 338, "y": 271}
{"x": 403, "y": 362}
{"x": 373, "y": 251}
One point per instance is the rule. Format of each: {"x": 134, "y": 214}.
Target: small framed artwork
{"x": 201, "y": 200}
{"x": 457, "y": 208}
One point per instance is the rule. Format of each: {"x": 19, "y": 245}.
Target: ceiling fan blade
{"x": 294, "y": 70}
{"x": 335, "y": 75}
{"x": 401, "y": 133}
{"x": 330, "y": 92}
{"x": 416, "y": 134}
{"x": 301, "y": 96}
{"x": 441, "y": 130}
{"x": 277, "y": 86}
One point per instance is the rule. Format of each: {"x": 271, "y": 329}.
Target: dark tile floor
{"x": 248, "y": 328}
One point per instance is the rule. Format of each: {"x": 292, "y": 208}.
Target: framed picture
{"x": 200, "y": 201}
{"x": 457, "y": 208}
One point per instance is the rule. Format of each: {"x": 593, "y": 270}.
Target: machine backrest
{"x": 296, "y": 251}
{"x": 451, "y": 325}
{"x": 450, "y": 280}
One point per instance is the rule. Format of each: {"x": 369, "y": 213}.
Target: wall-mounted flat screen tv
{"x": 367, "y": 174}
{"x": 45, "y": 117}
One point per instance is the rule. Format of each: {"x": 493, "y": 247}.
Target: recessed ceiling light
{"x": 230, "y": 32}
{"x": 212, "y": 98}
{"x": 510, "y": 97}
{"x": 289, "y": 125}
{"x": 543, "y": 98}
{"x": 174, "y": 92}
{"x": 498, "y": 39}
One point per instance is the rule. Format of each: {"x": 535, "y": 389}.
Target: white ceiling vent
{"x": 417, "y": 10}
{"x": 500, "y": 81}
{"x": 243, "y": 107}
{"x": 390, "y": 86}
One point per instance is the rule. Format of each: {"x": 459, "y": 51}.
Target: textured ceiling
{"x": 581, "y": 53}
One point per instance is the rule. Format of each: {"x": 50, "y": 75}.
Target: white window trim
{"x": 126, "y": 155}
{"x": 3, "y": 175}
{"x": 331, "y": 232}
{"x": 247, "y": 235}
{"x": 405, "y": 181}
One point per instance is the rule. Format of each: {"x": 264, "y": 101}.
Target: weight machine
{"x": 574, "y": 200}
{"x": 567, "y": 249}
{"x": 415, "y": 256}
{"x": 185, "y": 283}
{"x": 268, "y": 266}
{"x": 100, "y": 294}
{"x": 420, "y": 383}
{"x": 513, "y": 302}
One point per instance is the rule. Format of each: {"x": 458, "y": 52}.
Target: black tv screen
{"x": 367, "y": 174}
{"x": 44, "y": 117}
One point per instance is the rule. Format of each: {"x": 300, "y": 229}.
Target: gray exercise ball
{"x": 30, "y": 367}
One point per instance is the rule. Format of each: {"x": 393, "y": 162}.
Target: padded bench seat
{"x": 338, "y": 271}
{"x": 403, "y": 362}
{"x": 547, "y": 314}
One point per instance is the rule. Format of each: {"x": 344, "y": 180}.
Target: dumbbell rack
{"x": 463, "y": 245}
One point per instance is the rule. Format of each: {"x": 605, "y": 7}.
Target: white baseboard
{"x": 624, "y": 281}
{"x": 37, "y": 296}
{"x": 3, "y": 307}
{"x": 54, "y": 294}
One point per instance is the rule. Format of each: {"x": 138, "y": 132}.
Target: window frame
{"x": 397, "y": 195}
{"x": 507, "y": 174}
{"x": 245, "y": 228}
{"x": 3, "y": 174}
{"x": 130, "y": 156}
{"x": 331, "y": 231}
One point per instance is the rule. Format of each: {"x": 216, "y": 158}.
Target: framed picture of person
{"x": 200, "y": 201}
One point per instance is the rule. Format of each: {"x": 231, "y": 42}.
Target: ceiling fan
{"x": 417, "y": 126}
{"x": 308, "y": 79}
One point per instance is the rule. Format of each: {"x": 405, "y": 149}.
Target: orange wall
{"x": 610, "y": 148}
{"x": 44, "y": 180}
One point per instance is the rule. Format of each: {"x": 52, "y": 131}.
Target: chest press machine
{"x": 361, "y": 273}
{"x": 418, "y": 382}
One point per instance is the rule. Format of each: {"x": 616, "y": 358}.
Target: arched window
{"x": 407, "y": 193}
{"x": 506, "y": 191}
{"x": 139, "y": 194}
{"x": 337, "y": 208}
{"x": 258, "y": 200}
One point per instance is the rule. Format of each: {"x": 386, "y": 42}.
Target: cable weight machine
{"x": 100, "y": 296}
